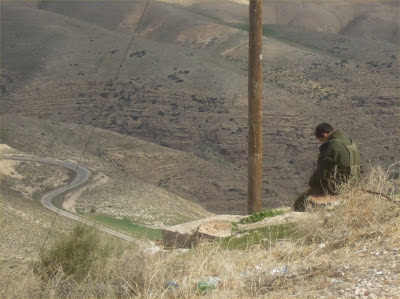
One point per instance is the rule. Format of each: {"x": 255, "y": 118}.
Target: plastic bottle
{"x": 210, "y": 284}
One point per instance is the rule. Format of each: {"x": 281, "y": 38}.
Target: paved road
{"x": 83, "y": 175}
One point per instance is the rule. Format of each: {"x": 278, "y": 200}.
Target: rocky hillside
{"x": 183, "y": 86}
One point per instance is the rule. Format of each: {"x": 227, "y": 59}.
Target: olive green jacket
{"x": 338, "y": 160}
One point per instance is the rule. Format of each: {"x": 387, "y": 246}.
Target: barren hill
{"x": 183, "y": 86}
{"x": 176, "y": 20}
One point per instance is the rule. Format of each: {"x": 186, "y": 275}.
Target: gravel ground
{"x": 369, "y": 270}
{"x": 370, "y": 273}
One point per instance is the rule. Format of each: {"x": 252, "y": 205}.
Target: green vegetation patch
{"x": 127, "y": 226}
{"x": 272, "y": 31}
{"x": 240, "y": 26}
{"x": 267, "y": 30}
{"x": 265, "y": 236}
{"x": 256, "y": 217}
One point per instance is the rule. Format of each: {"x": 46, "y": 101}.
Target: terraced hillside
{"x": 183, "y": 86}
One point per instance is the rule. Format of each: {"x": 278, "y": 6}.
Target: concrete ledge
{"x": 189, "y": 234}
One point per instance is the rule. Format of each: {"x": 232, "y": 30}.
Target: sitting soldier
{"x": 338, "y": 162}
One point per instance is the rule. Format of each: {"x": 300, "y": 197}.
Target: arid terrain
{"x": 163, "y": 129}
{"x": 183, "y": 86}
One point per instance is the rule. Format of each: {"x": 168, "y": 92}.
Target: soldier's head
{"x": 322, "y": 132}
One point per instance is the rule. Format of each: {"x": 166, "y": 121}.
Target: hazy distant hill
{"x": 376, "y": 20}
{"x": 183, "y": 85}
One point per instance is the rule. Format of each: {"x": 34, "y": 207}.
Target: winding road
{"x": 83, "y": 175}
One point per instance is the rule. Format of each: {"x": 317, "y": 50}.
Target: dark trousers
{"x": 301, "y": 201}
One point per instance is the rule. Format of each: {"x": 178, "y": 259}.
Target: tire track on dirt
{"x": 83, "y": 175}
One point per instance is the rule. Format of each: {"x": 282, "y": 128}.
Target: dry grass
{"x": 283, "y": 269}
{"x": 366, "y": 208}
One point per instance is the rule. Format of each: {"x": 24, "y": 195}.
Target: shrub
{"x": 77, "y": 255}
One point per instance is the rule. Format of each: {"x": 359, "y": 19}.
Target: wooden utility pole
{"x": 254, "y": 191}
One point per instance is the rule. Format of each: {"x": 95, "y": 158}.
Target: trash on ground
{"x": 172, "y": 285}
{"x": 210, "y": 284}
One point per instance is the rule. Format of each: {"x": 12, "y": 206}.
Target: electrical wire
{"x": 105, "y": 101}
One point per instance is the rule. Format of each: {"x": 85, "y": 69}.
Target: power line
{"x": 97, "y": 118}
